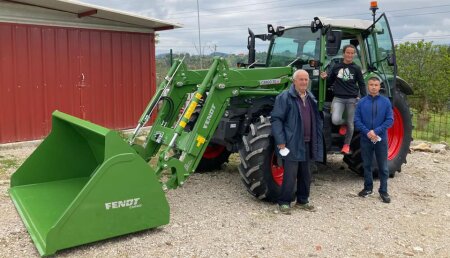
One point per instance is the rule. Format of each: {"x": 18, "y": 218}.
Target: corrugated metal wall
{"x": 106, "y": 77}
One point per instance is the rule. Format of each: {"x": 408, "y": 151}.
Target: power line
{"x": 233, "y": 6}
{"x": 282, "y": 6}
{"x": 310, "y": 3}
{"x": 221, "y": 28}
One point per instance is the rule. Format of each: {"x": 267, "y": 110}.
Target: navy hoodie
{"x": 374, "y": 113}
{"x": 344, "y": 78}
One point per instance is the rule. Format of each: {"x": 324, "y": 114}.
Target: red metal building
{"x": 90, "y": 62}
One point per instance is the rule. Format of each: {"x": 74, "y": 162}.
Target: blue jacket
{"x": 374, "y": 113}
{"x": 287, "y": 126}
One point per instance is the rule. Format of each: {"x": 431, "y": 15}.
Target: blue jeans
{"x": 380, "y": 149}
{"x": 338, "y": 106}
{"x": 296, "y": 173}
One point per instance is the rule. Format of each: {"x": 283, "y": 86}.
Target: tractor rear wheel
{"x": 214, "y": 156}
{"x": 259, "y": 169}
{"x": 399, "y": 139}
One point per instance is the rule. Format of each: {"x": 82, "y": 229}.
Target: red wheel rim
{"x": 277, "y": 171}
{"x": 395, "y": 135}
{"x": 213, "y": 151}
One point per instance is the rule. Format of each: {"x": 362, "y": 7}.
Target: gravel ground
{"x": 214, "y": 216}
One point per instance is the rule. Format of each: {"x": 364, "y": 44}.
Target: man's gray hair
{"x": 298, "y": 72}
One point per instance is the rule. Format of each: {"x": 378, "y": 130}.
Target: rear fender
{"x": 403, "y": 86}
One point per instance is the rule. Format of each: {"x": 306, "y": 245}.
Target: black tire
{"x": 214, "y": 157}
{"x": 400, "y": 136}
{"x": 257, "y": 156}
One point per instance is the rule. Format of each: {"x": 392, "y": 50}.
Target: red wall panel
{"x": 106, "y": 77}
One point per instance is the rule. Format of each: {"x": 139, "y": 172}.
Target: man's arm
{"x": 388, "y": 119}
{"x": 277, "y": 118}
{"x": 358, "y": 119}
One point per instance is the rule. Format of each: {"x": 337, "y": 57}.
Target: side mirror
{"x": 316, "y": 24}
{"x": 334, "y": 39}
{"x": 280, "y": 31}
{"x": 391, "y": 60}
{"x": 270, "y": 29}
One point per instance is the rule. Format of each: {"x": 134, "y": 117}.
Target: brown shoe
{"x": 306, "y": 207}
{"x": 284, "y": 209}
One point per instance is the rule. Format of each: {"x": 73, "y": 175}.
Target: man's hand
{"x": 281, "y": 146}
{"x": 323, "y": 75}
{"x": 372, "y": 135}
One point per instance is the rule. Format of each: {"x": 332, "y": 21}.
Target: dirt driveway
{"x": 214, "y": 216}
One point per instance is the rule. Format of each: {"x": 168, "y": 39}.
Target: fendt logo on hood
{"x": 130, "y": 203}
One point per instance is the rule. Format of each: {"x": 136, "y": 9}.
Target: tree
{"x": 426, "y": 67}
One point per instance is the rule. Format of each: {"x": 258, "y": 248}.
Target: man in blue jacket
{"x": 297, "y": 130}
{"x": 373, "y": 117}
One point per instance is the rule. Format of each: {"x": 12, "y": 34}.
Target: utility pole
{"x": 199, "y": 39}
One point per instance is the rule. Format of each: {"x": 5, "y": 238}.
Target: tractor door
{"x": 381, "y": 54}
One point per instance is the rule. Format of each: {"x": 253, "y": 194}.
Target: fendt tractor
{"x": 84, "y": 183}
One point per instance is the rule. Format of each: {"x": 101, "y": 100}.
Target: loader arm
{"x": 214, "y": 87}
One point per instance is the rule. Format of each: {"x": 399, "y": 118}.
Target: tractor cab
{"x": 318, "y": 47}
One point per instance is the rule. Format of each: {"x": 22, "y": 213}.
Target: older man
{"x": 297, "y": 130}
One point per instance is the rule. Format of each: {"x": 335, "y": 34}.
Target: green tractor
{"x": 316, "y": 48}
{"x": 84, "y": 183}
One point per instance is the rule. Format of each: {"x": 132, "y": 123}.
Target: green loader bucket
{"x": 83, "y": 184}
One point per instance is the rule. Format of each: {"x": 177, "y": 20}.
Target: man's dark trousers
{"x": 380, "y": 149}
{"x": 296, "y": 172}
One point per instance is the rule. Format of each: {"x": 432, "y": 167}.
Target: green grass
{"x": 436, "y": 130}
{"x": 6, "y": 163}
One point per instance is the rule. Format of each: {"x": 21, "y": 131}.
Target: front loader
{"x": 84, "y": 183}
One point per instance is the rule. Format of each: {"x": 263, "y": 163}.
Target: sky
{"x": 224, "y": 24}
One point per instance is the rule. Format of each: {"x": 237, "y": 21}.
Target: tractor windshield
{"x": 295, "y": 43}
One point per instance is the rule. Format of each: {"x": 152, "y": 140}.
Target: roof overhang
{"x": 85, "y": 13}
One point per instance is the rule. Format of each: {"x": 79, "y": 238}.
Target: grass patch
{"x": 7, "y": 163}
{"x": 436, "y": 129}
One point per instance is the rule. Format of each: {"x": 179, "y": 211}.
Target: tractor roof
{"x": 343, "y": 23}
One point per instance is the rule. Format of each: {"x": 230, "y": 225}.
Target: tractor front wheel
{"x": 214, "y": 156}
{"x": 260, "y": 170}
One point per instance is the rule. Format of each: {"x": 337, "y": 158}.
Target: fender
{"x": 403, "y": 86}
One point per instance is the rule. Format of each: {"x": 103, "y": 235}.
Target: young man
{"x": 297, "y": 130}
{"x": 373, "y": 117}
{"x": 344, "y": 77}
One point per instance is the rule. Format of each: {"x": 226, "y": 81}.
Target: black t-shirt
{"x": 344, "y": 78}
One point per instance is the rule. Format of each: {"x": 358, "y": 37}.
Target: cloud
{"x": 437, "y": 36}
{"x": 225, "y": 23}
{"x": 446, "y": 22}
